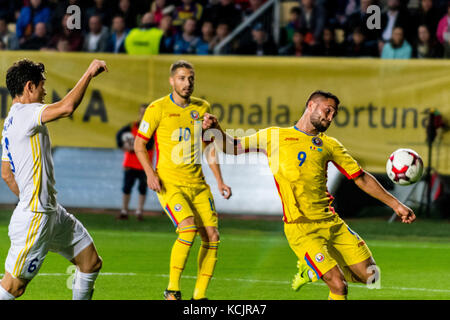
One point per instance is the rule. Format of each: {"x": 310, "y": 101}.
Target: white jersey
{"x": 26, "y": 146}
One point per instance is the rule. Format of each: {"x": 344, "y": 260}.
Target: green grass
{"x": 255, "y": 261}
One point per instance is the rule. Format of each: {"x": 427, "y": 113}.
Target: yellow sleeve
{"x": 150, "y": 121}
{"x": 257, "y": 142}
{"x": 344, "y": 162}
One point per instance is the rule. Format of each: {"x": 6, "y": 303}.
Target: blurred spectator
{"x": 225, "y": 11}
{"x": 297, "y": 47}
{"x": 97, "y": 38}
{"x": 73, "y": 37}
{"x": 132, "y": 167}
{"x": 222, "y": 31}
{"x": 29, "y": 16}
{"x": 186, "y": 42}
{"x": 7, "y": 11}
{"x": 63, "y": 45}
{"x": 312, "y": 20}
{"x": 205, "y": 43}
{"x": 343, "y": 9}
{"x": 395, "y": 17}
{"x": 101, "y": 9}
{"x": 427, "y": 46}
{"x": 38, "y": 40}
{"x": 358, "y": 19}
{"x": 160, "y": 9}
{"x": 242, "y": 4}
{"x": 327, "y": 46}
{"x": 7, "y": 37}
{"x": 265, "y": 19}
{"x": 260, "y": 45}
{"x": 292, "y": 25}
{"x": 168, "y": 38}
{"x": 398, "y": 47}
{"x": 116, "y": 43}
{"x": 357, "y": 46}
{"x": 443, "y": 29}
{"x": 189, "y": 9}
{"x": 2, "y": 45}
{"x": 426, "y": 14}
{"x": 146, "y": 39}
{"x": 128, "y": 12}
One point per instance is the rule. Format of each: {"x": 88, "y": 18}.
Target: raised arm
{"x": 71, "y": 101}
{"x": 8, "y": 176}
{"x": 211, "y": 156}
{"x": 371, "y": 186}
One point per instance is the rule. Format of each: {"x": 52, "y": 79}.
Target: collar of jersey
{"x": 311, "y": 135}
{"x": 171, "y": 98}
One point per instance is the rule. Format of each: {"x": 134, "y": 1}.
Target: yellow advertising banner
{"x": 384, "y": 103}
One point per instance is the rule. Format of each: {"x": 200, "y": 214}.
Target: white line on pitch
{"x": 316, "y": 283}
{"x": 68, "y": 274}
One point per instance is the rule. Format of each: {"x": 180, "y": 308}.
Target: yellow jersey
{"x": 177, "y": 133}
{"x": 299, "y": 164}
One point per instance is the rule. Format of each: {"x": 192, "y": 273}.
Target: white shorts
{"x": 33, "y": 234}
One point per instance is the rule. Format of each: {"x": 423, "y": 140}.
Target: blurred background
{"x": 256, "y": 62}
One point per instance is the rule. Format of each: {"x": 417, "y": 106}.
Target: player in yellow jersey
{"x": 298, "y": 157}
{"x": 175, "y": 122}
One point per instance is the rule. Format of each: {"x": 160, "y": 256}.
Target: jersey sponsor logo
{"x": 144, "y": 126}
{"x": 319, "y": 257}
{"x": 317, "y": 141}
{"x": 174, "y": 115}
{"x": 291, "y": 139}
{"x": 195, "y": 115}
{"x": 178, "y": 207}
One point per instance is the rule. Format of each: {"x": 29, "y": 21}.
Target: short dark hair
{"x": 20, "y": 73}
{"x": 180, "y": 64}
{"x": 323, "y": 94}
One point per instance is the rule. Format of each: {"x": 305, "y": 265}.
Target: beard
{"x": 184, "y": 96}
{"x": 318, "y": 124}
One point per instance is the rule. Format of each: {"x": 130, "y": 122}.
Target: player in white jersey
{"x": 39, "y": 224}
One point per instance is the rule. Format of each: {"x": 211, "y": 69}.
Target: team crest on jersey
{"x": 317, "y": 141}
{"x": 195, "y": 115}
{"x": 319, "y": 257}
{"x": 178, "y": 207}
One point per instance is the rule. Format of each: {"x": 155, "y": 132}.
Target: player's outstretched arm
{"x": 225, "y": 142}
{"x": 71, "y": 101}
{"x": 371, "y": 186}
{"x": 8, "y": 177}
{"x": 140, "y": 148}
{"x": 211, "y": 157}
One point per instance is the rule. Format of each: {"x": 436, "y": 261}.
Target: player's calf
{"x": 335, "y": 280}
{"x": 88, "y": 265}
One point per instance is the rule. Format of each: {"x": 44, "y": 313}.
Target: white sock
{"x": 5, "y": 295}
{"x": 83, "y": 285}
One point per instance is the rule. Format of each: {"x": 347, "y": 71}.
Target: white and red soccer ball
{"x": 404, "y": 167}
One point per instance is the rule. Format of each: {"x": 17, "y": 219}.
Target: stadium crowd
{"x": 409, "y": 28}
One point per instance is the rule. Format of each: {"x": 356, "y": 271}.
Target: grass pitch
{"x": 255, "y": 261}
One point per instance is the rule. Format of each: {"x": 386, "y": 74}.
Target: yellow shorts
{"x": 326, "y": 243}
{"x": 181, "y": 202}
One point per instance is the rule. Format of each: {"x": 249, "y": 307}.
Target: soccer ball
{"x": 404, "y": 167}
